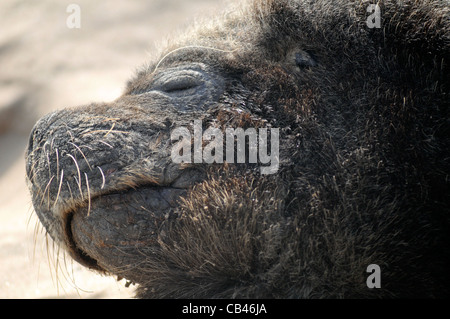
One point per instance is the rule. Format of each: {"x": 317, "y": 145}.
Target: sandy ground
{"x": 44, "y": 65}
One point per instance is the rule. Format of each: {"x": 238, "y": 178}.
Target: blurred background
{"x": 44, "y": 66}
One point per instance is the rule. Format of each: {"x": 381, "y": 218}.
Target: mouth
{"x": 112, "y": 229}
{"x": 75, "y": 252}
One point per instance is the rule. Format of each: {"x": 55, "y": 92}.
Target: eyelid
{"x": 193, "y": 83}
{"x": 180, "y": 83}
{"x": 176, "y": 80}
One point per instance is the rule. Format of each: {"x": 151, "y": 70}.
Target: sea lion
{"x": 358, "y": 205}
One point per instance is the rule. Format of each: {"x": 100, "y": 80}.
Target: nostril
{"x": 37, "y": 134}
{"x": 31, "y": 139}
{"x": 29, "y": 153}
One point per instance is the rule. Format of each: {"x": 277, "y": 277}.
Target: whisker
{"x": 106, "y": 143}
{"x": 71, "y": 136}
{"x": 79, "y": 174}
{"x": 70, "y": 190}
{"x": 82, "y": 154}
{"x": 57, "y": 164}
{"x": 189, "y": 47}
{"x": 69, "y": 276}
{"x": 58, "y": 268}
{"x": 48, "y": 160}
{"x": 103, "y": 177}
{"x": 33, "y": 152}
{"x": 107, "y": 132}
{"x": 47, "y": 247}
{"x": 51, "y": 144}
{"x": 33, "y": 165}
{"x": 59, "y": 188}
{"x": 36, "y": 228}
{"x": 112, "y": 127}
{"x": 89, "y": 194}
{"x": 88, "y": 147}
{"x": 79, "y": 186}
{"x": 48, "y": 192}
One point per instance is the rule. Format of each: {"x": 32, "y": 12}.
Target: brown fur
{"x": 364, "y": 159}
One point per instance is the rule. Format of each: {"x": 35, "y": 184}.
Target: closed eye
{"x": 181, "y": 83}
{"x": 184, "y": 86}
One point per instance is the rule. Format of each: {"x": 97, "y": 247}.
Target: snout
{"x": 102, "y": 181}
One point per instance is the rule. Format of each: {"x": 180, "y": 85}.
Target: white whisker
{"x": 103, "y": 177}
{"x": 190, "y": 47}
{"x": 59, "y": 188}
{"x": 89, "y": 194}
{"x": 79, "y": 174}
{"x": 105, "y": 143}
{"x": 48, "y": 192}
{"x": 70, "y": 190}
{"x": 57, "y": 164}
{"x": 82, "y": 154}
{"x": 48, "y": 161}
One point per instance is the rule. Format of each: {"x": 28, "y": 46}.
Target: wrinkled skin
{"x": 364, "y": 170}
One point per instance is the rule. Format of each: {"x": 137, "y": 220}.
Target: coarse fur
{"x": 364, "y": 156}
